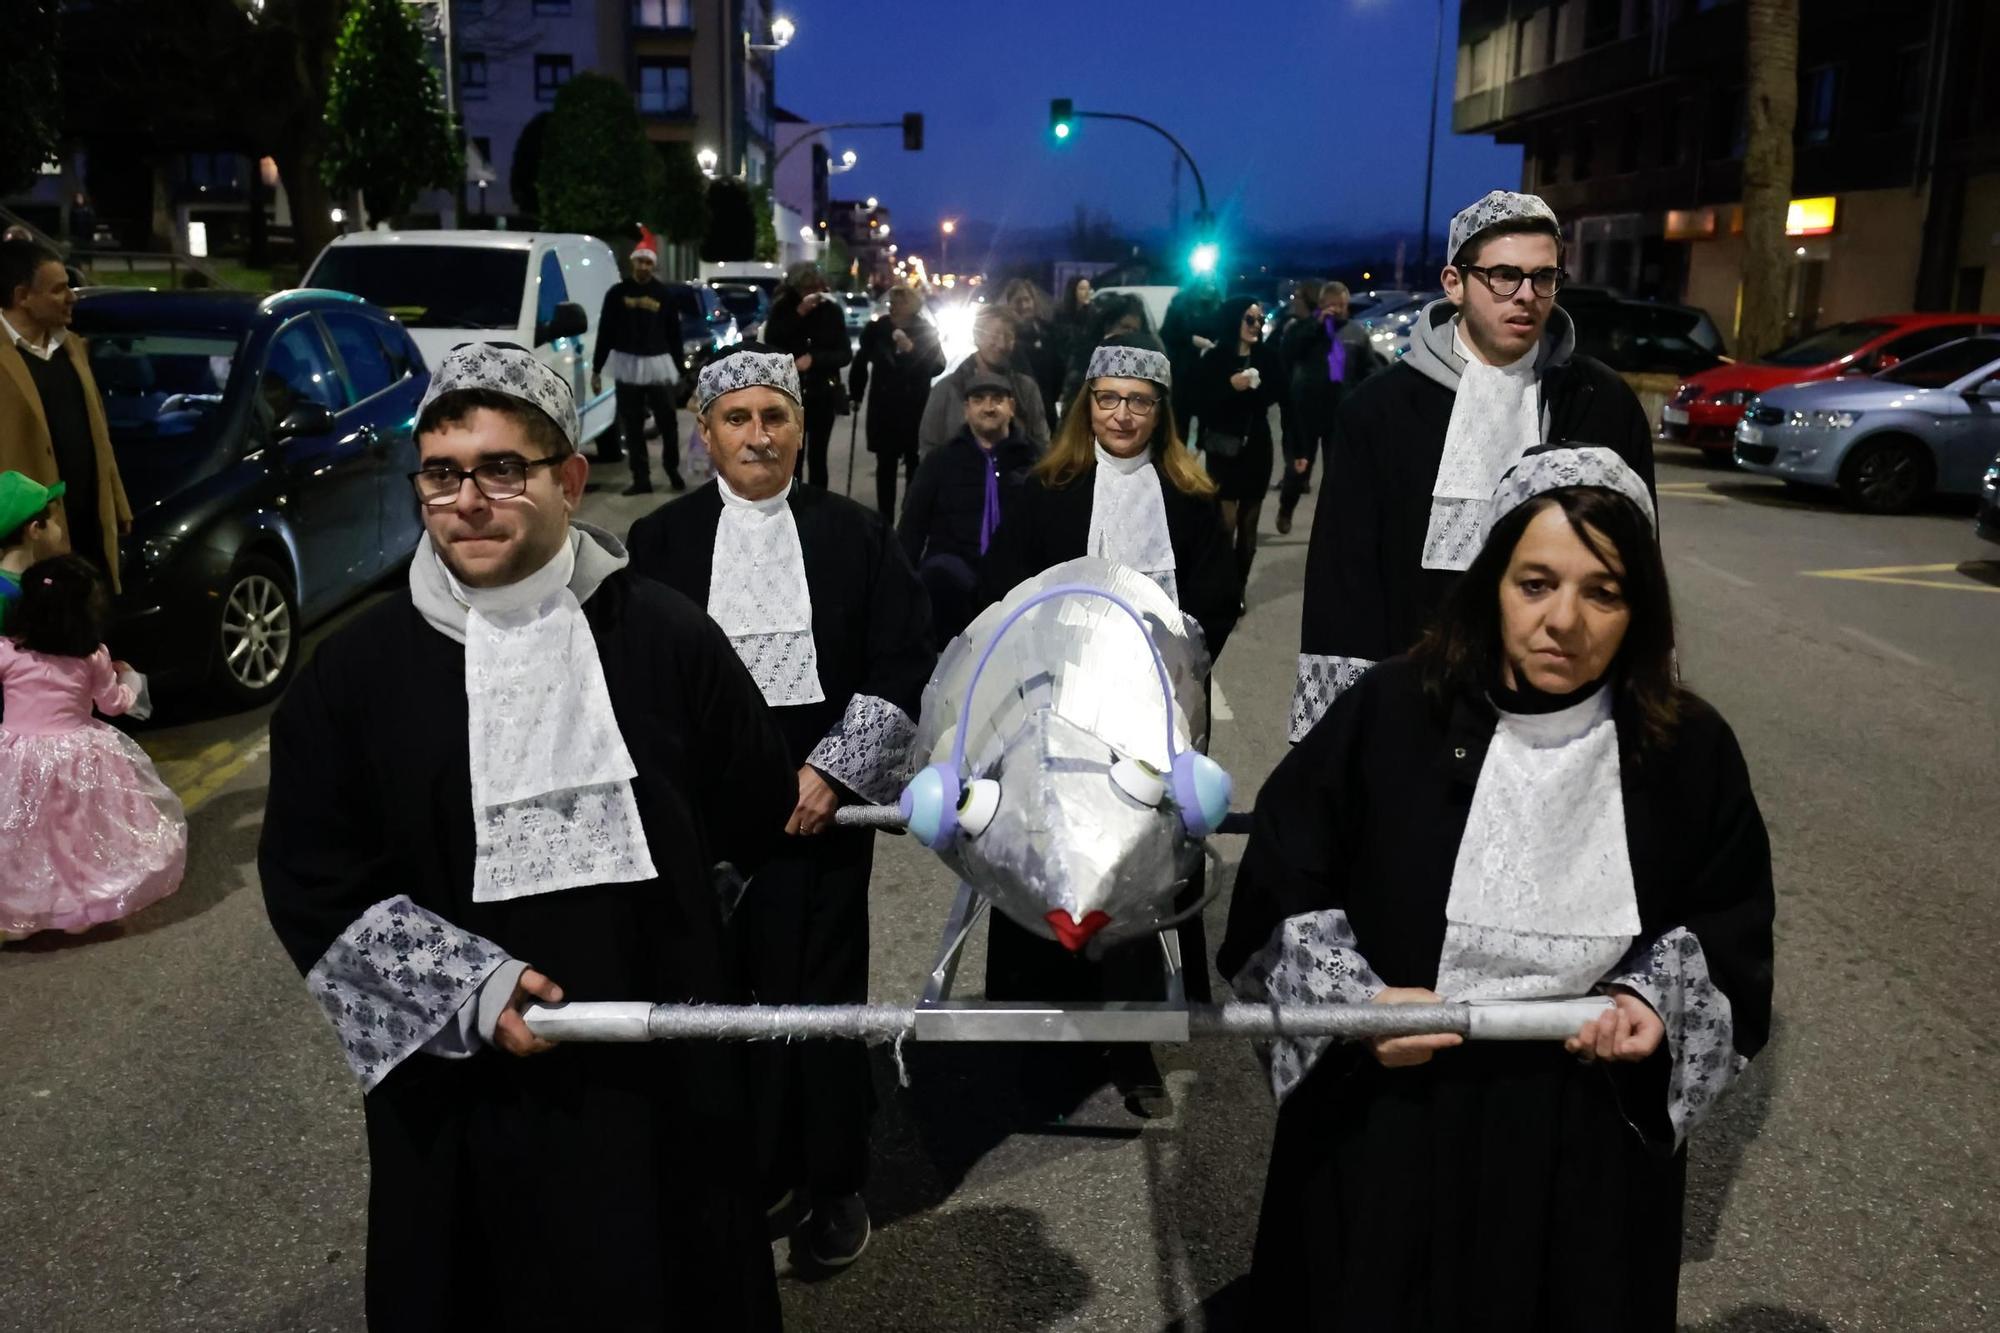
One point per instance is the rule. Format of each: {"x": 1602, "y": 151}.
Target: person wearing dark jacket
{"x": 1236, "y": 382}
{"x": 1326, "y": 355}
{"x": 806, "y": 322}
{"x": 1118, "y": 483}
{"x": 1038, "y": 343}
{"x": 899, "y": 356}
{"x": 1491, "y": 373}
{"x": 1527, "y": 808}
{"x": 1185, "y": 331}
{"x": 959, "y": 498}
{"x": 639, "y": 336}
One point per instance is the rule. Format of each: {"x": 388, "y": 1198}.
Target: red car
{"x": 1705, "y": 409}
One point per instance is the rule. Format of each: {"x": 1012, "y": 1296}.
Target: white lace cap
{"x": 1543, "y": 470}
{"x": 512, "y": 370}
{"x": 1130, "y": 363}
{"x": 746, "y": 368}
{"x": 1496, "y": 207}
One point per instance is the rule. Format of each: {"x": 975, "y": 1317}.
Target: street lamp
{"x": 873, "y": 202}
{"x": 846, "y": 163}
{"x": 782, "y": 32}
{"x": 947, "y": 227}
{"x": 706, "y": 159}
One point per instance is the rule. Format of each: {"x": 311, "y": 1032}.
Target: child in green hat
{"x": 31, "y": 530}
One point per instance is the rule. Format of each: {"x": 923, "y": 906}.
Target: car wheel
{"x": 1886, "y": 476}
{"x": 257, "y": 633}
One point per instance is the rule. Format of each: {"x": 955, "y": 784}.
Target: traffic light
{"x": 1062, "y": 117}
{"x": 1203, "y": 259}
{"x": 913, "y": 132}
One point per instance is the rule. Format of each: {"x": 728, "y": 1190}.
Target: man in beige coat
{"x": 51, "y": 418}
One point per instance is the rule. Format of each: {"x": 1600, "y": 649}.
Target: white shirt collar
{"x": 1124, "y": 466}
{"x": 769, "y": 505}
{"x": 45, "y": 352}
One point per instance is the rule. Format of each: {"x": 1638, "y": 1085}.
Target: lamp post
{"x": 945, "y": 229}
{"x": 1430, "y": 153}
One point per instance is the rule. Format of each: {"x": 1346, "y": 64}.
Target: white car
{"x": 539, "y": 289}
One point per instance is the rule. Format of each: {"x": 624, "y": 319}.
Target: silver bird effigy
{"x": 1068, "y": 788}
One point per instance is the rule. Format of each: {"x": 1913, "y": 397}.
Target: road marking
{"x": 1902, "y": 575}
{"x": 198, "y": 778}
{"x": 1885, "y": 648}
{"x": 1725, "y": 575}
{"x": 1690, "y": 490}
{"x": 1219, "y": 709}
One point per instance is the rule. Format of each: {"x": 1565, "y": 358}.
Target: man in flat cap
{"x": 519, "y": 780}
{"x": 1416, "y": 451}
{"x": 815, "y": 594}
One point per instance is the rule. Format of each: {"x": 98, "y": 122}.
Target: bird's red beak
{"x": 1075, "y": 934}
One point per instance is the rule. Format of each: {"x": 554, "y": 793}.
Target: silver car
{"x": 1887, "y": 441}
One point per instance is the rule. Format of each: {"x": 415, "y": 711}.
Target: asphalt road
{"x": 180, "y": 1143}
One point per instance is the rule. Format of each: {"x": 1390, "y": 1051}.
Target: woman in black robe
{"x": 1526, "y": 807}
{"x": 1166, "y": 525}
{"x": 1236, "y": 383}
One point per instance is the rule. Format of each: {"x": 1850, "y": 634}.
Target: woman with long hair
{"x": 1527, "y": 807}
{"x": 1038, "y": 348}
{"x": 1117, "y": 482}
{"x": 1236, "y": 383}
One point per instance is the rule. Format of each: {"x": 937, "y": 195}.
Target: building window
{"x": 551, "y": 73}
{"x": 1586, "y": 144}
{"x": 757, "y": 102}
{"x": 1628, "y": 147}
{"x": 665, "y": 88}
{"x": 1912, "y": 85}
{"x": 215, "y": 171}
{"x": 1481, "y": 76}
{"x": 471, "y": 75}
{"x": 1818, "y": 93}
{"x": 551, "y": 6}
{"x": 1548, "y": 157}
{"x": 1553, "y": 34}
{"x": 660, "y": 13}
{"x": 1600, "y": 21}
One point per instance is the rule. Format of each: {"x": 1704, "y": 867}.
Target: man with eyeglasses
{"x": 818, "y": 600}
{"x": 1416, "y": 452}
{"x": 522, "y": 780}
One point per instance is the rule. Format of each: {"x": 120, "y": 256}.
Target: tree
{"x": 767, "y": 228}
{"x": 524, "y": 175}
{"x": 29, "y": 92}
{"x": 732, "y": 222}
{"x": 390, "y": 132}
{"x": 1773, "y": 98}
{"x": 592, "y": 176}
{"x": 681, "y": 202}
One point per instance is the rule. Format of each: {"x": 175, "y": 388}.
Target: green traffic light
{"x": 1062, "y": 131}
{"x": 1204, "y": 258}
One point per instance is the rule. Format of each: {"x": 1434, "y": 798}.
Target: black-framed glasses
{"x": 1506, "y": 279}
{"x": 498, "y": 479}
{"x": 1142, "y": 404}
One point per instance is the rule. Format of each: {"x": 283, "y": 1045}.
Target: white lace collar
{"x": 1128, "y": 517}
{"x": 551, "y": 777}
{"x": 1496, "y": 417}
{"x": 758, "y": 594}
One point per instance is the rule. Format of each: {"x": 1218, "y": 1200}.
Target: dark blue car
{"x": 265, "y": 443}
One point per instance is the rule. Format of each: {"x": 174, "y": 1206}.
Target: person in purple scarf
{"x": 958, "y": 497}
{"x": 1324, "y": 341}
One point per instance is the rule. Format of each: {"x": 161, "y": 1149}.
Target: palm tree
{"x": 1773, "y": 97}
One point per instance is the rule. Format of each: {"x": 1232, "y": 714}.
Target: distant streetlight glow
{"x": 706, "y": 159}
{"x": 782, "y": 32}
{"x": 873, "y": 202}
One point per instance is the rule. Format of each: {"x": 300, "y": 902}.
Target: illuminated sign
{"x": 1810, "y": 217}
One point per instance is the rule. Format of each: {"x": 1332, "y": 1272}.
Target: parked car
{"x": 706, "y": 324}
{"x": 1706, "y": 407}
{"x": 857, "y": 308}
{"x": 1888, "y": 441}
{"x": 1389, "y": 324}
{"x": 266, "y": 444}
{"x": 1647, "y": 337}
{"x": 538, "y": 289}
{"x": 749, "y": 303}
{"x": 1988, "y": 525}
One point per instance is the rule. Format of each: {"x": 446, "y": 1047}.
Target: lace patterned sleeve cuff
{"x": 1322, "y": 679}
{"x": 393, "y": 980}
{"x": 1671, "y": 974}
{"x": 1309, "y": 959}
{"x": 869, "y": 752}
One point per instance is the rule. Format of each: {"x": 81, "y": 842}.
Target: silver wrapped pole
{"x": 628, "y": 1021}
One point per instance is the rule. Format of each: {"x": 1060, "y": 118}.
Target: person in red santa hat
{"x": 639, "y": 337}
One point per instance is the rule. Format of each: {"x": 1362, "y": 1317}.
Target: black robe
{"x": 1367, "y": 595}
{"x": 594, "y": 1186}
{"x": 805, "y": 917}
{"x": 1503, "y": 1185}
{"x": 1044, "y": 527}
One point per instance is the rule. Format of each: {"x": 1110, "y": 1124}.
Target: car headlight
{"x": 1731, "y": 397}
{"x": 1993, "y": 478}
{"x": 1825, "y": 419}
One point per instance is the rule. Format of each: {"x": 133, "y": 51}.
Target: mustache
{"x": 760, "y": 453}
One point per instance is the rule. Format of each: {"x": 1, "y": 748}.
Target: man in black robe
{"x": 815, "y": 594}
{"x": 1417, "y": 450}
{"x": 523, "y": 779}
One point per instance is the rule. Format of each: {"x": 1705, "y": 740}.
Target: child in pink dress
{"x": 88, "y": 832}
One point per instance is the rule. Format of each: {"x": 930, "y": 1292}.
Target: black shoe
{"x": 837, "y": 1232}
{"x": 1284, "y": 523}
{"x": 1138, "y": 1078}
{"x": 674, "y": 482}
{"x": 638, "y": 488}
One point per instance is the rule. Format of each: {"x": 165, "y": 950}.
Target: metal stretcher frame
{"x": 937, "y": 1017}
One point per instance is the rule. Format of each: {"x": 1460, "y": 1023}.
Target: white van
{"x": 540, "y": 289}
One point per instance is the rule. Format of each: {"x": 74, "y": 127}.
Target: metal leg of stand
{"x": 966, "y": 910}
{"x": 1170, "y": 964}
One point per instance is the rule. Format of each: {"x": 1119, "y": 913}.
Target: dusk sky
{"x": 1304, "y": 115}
